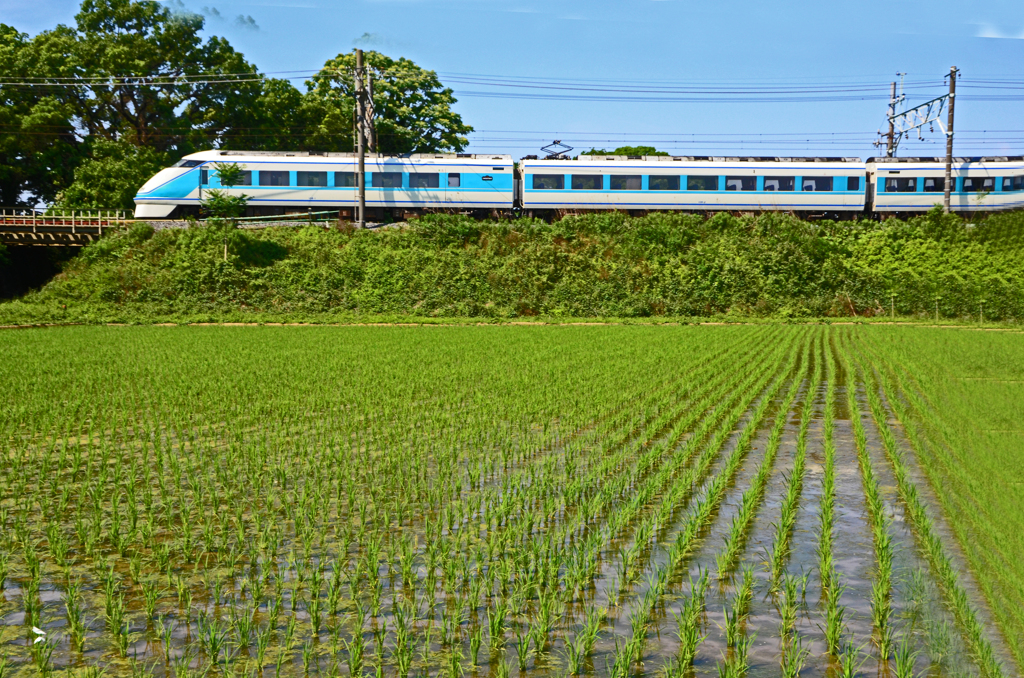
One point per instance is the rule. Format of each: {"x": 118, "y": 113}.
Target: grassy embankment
{"x": 596, "y": 266}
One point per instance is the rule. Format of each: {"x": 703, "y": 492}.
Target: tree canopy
{"x": 626, "y": 150}
{"x": 412, "y": 107}
{"x": 132, "y": 85}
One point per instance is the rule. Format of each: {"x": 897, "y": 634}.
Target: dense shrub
{"x": 599, "y": 265}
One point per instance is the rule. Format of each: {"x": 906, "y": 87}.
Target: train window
{"x": 901, "y": 185}
{"x": 979, "y": 184}
{"x": 587, "y": 182}
{"x": 345, "y": 179}
{"x": 245, "y": 178}
{"x": 548, "y": 182}
{"x": 188, "y": 163}
{"x": 817, "y": 183}
{"x": 273, "y": 178}
{"x": 1018, "y": 183}
{"x": 1007, "y": 184}
{"x": 625, "y": 182}
{"x": 386, "y": 179}
{"x": 933, "y": 185}
{"x": 204, "y": 176}
{"x": 311, "y": 178}
{"x": 454, "y": 180}
{"x": 853, "y": 183}
{"x": 780, "y": 183}
{"x": 656, "y": 183}
{"x": 702, "y": 183}
{"x": 424, "y": 180}
{"x": 741, "y": 183}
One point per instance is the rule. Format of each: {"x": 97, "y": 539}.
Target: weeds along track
{"x": 383, "y": 501}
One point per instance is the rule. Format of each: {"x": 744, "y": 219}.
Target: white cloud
{"x": 990, "y": 31}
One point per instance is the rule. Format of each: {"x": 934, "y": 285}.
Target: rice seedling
{"x": 788, "y": 606}
{"x": 74, "y": 613}
{"x": 42, "y": 651}
{"x": 523, "y": 651}
{"x": 835, "y": 615}
{"x": 851, "y": 660}
{"x": 308, "y": 656}
{"x": 905, "y": 657}
{"x": 688, "y": 621}
{"x": 476, "y": 639}
{"x": 794, "y": 654}
{"x": 733, "y": 621}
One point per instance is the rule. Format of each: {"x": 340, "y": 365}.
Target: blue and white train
{"x": 282, "y": 183}
{"x": 401, "y": 186}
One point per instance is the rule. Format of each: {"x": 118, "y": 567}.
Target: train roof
{"x": 690, "y": 158}
{"x": 990, "y": 158}
{"x": 369, "y": 156}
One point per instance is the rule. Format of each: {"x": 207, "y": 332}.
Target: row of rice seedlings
{"x": 956, "y": 597}
{"x": 689, "y": 625}
{"x": 831, "y": 587}
{"x": 881, "y": 591}
{"x": 734, "y": 662}
{"x": 782, "y": 543}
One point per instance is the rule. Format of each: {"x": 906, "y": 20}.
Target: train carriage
{"x": 276, "y": 183}
{"x": 602, "y": 182}
{"x": 918, "y": 184}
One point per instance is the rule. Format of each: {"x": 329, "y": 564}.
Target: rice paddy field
{"x": 511, "y": 501}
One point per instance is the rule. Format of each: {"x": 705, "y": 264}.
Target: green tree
{"x": 153, "y": 81}
{"x": 38, "y": 146}
{"x": 626, "y": 150}
{"x": 103, "y": 103}
{"x": 111, "y": 176}
{"x": 413, "y": 110}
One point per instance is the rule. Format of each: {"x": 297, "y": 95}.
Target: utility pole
{"x": 890, "y": 146}
{"x": 949, "y": 139}
{"x": 368, "y": 111}
{"x": 360, "y": 142}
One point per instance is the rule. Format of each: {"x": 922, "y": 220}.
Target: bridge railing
{"x": 65, "y": 215}
{"x": 57, "y": 227}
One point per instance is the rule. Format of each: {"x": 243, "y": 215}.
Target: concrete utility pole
{"x": 949, "y": 138}
{"x": 890, "y": 146}
{"x": 360, "y": 143}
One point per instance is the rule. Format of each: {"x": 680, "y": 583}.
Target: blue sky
{"x": 606, "y": 45}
